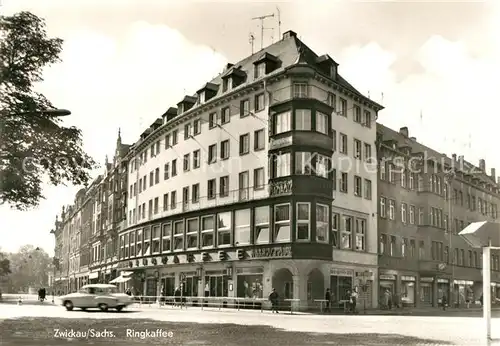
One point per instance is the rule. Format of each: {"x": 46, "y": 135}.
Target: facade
{"x": 235, "y": 192}
{"x": 425, "y": 200}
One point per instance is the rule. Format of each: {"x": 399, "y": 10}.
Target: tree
{"x": 33, "y": 144}
{"x": 30, "y": 267}
{"x": 4, "y": 265}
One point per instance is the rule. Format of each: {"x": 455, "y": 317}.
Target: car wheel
{"x": 84, "y": 309}
{"x": 68, "y": 305}
{"x": 119, "y": 308}
{"x": 103, "y": 307}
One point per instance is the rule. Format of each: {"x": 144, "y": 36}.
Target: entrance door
{"x": 190, "y": 288}
{"x": 217, "y": 285}
{"x": 168, "y": 284}
{"x": 151, "y": 289}
{"x": 426, "y": 292}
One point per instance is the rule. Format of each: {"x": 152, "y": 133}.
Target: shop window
{"x": 303, "y": 221}
{"x": 339, "y": 286}
{"x": 261, "y": 221}
{"x": 282, "y": 223}
{"x": 224, "y": 229}
{"x": 207, "y": 231}
{"x": 242, "y": 224}
{"x": 249, "y": 283}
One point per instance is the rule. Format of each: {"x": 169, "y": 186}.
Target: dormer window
{"x": 333, "y": 71}
{"x": 260, "y": 70}
{"x": 265, "y": 64}
{"x": 201, "y": 97}
{"x": 227, "y": 84}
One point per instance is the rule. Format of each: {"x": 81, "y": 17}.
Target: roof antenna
{"x": 368, "y": 93}
{"x": 279, "y": 22}
{"x": 261, "y": 18}
{"x": 251, "y": 39}
{"x": 382, "y": 98}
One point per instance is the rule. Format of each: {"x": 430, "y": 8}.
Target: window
{"x": 224, "y": 186}
{"x": 421, "y": 250}
{"x": 157, "y": 175}
{"x": 174, "y": 168}
{"x": 392, "y": 249}
{"x": 303, "y": 221}
{"x": 196, "y": 159}
{"x": 368, "y": 189}
{"x": 225, "y": 115}
{"x": 156, "y": 205}
{"x": 261, "y": 220}
{"x": 412, "y": 214}
{"x": 357, "y": 186}
{"x": 167, "y": 141}
{"x": 146, "y": 251}
{"x": 173, "y": 200}
{"x": 420, "y": 216}
{"x": 192, "y": 233}
{"x": 224, "y": 229}
{"x": 383, "y": 207}
{"x": 259, "y": 102}
{"x": 150, "y": 209}
{"x": 332, "y": 100}
{"x": 244, "y": 144}
{"x": 335, "y": 229}
{"x": 368, "y": 152}
{"x": 382, "y": 244}
{"x": 243, "y": 183}
{"x": 357, "y": 113}
{"x": 244, "y": 108}
{"x": 322, "y": 165}
{"x": 343, "y": 143}
{"x": 357, "y": 149}
{"x": 258, "y": 178}
{"x": 156, "y": 239}
{"x": 242, "y": 224}
{"x": 151, "y": 178}
{"x": 175, "y": 137}
{"x": 300, "y": 90}
{"x": 367, "y": 118}
{"x": 411, "y": 184}
{"x": 343, "y": 107}
{"x": 211, "y": 189}
{"x": 321, "y": 122}
{"x": 334, "y": 140}
{"x": 166, "y": 172}
{"x": 260, "y": 70}
{"x": 212, "y": 120}
{"x": 185, "y": 197}
{"x": 383, "y": 170}
{"x": 282, "y": 222}
{"x": 281, "y": 165}
{"x": 186, "y": 162}
{"x": 187, "y": 131}
{"x": 346, "y": 232}
{"x": 343, "y": 182}
{"x": 303, "y": 163}
{"x": 282, "y": 122}
{"x": 197, "y": 127}
{"x": 207, "y": 231}
{"x": 259, "y": 140}
{"x": 302, "y": 120}
{"x": 360, "y": 234}
{"x": 212, "y": 153}
{"x": 195, "y": 193}
{"x": 178, "y": 235}
{"x": 138, "y": 244}
{"x": 224, "y": 150}
{"x": 392, "y": 173}
{"x": 392, "y": 207}
{"x": 322, "y": 223}
{"x": 403, "y": 212}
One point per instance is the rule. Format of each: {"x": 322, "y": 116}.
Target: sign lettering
{"x": 341, "y": 272}
{"x": 280, "y": 188}
{"x": 282, "y": 251}
{"x": 387, "y": 277}
{"x": 280, "y": 142}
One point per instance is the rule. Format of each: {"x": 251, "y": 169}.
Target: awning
{"x": 93, "y": 275}
{"x": 129, "y": 273}
{"x": 120, "y": 279}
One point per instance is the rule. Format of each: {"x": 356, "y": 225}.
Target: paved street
{"x": 29, "y": 325}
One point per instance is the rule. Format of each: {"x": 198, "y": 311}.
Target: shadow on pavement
{"x": 41, "y": 331}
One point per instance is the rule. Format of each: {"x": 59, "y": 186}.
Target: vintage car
{"x": 102, "y": 296}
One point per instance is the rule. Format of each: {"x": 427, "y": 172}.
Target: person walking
{"x": 273, "y": 298}
{"x": 354, "y": 299}
{"x": 328, "y": 298}
{"x": 444, "y": 302}
{"x": 177, "y": 294}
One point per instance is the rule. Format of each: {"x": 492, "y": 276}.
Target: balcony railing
{"x": 234, "y": 196}
{"x": 300, "y": 92}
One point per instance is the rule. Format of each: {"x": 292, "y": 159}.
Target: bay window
{"x": 132, "y": 243}
{"x": 126, "y": 245}
{"x": 166, "y": 237}
{"x": 261, "y": 221}
{"x": 322, "y": 123}
{"x": 192, "y": 233}
{"x": 138, "y": 247}
{"x": 335, "y": 229}
{"x": 303, "y": 163}
{"x": 322, "y": 165}
{"x": 282, "y": 122}
{"x": 303, "y": 119}
{"x": 360, "y": 234}
{"x": 155, "y": 235}
{"x": 146, "y": 250}
{"x": 242, "y": 227}
{"x": 178, "y": 235}
{"x": 207, "y": 231}
{"x": 322, "y": 223}
{"x": 282, "y": 223}
{"x": 303, "y": 221}
{"x": 281, "y": 165}
{"x": 346, "y": 232}
{"x": 224, "y": 229}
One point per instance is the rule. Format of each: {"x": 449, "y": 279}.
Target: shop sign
{"x": 387, "y": 277}
{"x": 280, "y": 188}
{"x": 463, "y": 282}
{"x": 272, "y": 252}
{"x": 280, "y": 142}
{"x": 407, "y": 278}
{"x": 443, "y": 281}
{"x": 426, "y": 279}
{"x": 341, "y": 272}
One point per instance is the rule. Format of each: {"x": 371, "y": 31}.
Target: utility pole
{"x": 261, "y": 18}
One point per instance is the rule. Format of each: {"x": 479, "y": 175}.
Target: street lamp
{"x": 50, "y": 112}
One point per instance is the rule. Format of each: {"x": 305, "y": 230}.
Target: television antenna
{"x": 261, "y": 18}
{"x": 251, "y": 39}
{"x": 279, "y": 22}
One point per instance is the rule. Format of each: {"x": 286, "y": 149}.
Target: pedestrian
{"x": 177, "y": 294}
{"x": 328, "y": 298}
{"x": 273, "y": 298}
{"x": 389, "y": 302}
{"x": 348, "y": 301}
{"x": 481, "y": 300}
{"x": 444, "y": 302}
{"x": 354, "y": 299}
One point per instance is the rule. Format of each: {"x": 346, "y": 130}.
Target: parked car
{"x": 101, "y": 296}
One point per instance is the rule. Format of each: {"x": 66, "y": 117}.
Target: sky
{"x": 435, "y": 66}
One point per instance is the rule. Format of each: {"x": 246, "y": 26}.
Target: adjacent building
{"x": 425, "y": 199}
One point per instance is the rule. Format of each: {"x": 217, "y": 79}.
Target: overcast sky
{"x": 126, "y": 61}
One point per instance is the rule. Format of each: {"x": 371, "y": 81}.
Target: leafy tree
{"x": 4, "y": 265}
{"x": 30, "y": 267}
{"x": 33, "y": 144}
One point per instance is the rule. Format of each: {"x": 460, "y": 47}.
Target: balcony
{"x": 294, "y": 92}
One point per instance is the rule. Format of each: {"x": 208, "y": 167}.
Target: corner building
{"x": 253, "y": 183}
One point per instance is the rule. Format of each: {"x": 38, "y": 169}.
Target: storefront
{"x": 387, "y": 282}
{"x": 463, "y": 292}
{"x": 249, "y": 282}
{"x": 408, "y": 287}
{"x": 426, "y": 291}
{"x": 341, "y": 281}
{"x": 443, "y": 289}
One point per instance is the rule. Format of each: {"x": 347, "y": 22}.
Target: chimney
{"x": 482, "y": 165}
{"x": 413, "y": 139}
{"x": 454, "y": 157}
{"x": 404, "y": 131}
{"x": 289, "y": 34}
{"x": 493, "y": 173}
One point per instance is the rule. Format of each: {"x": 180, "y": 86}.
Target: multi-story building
{"x": 235, "y": 191}
{"x": 425, "y": 200}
